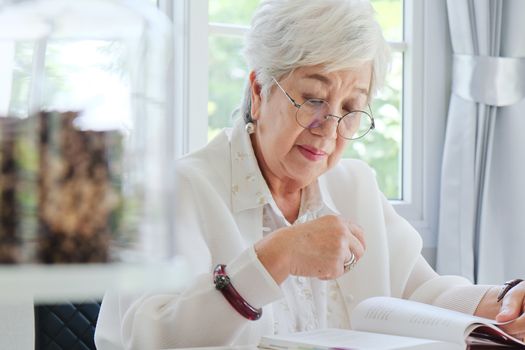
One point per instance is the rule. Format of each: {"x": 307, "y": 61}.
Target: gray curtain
{"x": 482, "y": 207}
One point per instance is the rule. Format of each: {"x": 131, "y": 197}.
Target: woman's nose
{"x": 328, "y": 127}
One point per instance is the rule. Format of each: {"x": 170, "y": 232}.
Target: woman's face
{"x": 289, "y": 153}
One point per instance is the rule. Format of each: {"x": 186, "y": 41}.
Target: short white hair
{"x": 289, "y": 34}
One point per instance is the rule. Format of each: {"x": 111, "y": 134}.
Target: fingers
{"x": 356, "y": 247}
{"x": 512, "y": 304}
{"x": 516, "y": 328}
{"x": 354, "y": 236}
{"x": 358, "y": 232}
{"x": 320, "y": 248}
{"x": 513, "y": 308}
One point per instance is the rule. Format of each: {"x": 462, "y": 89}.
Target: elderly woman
{"x": 284, "y": 235}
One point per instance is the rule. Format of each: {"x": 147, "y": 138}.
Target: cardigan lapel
{"x": 368, "y": 277}
{"x": 249, "y": 191}
{"x": 248, "y": 188}
{"x": 249, "y": 222}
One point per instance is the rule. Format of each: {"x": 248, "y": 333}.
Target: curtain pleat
{"x": 477, "y": 231}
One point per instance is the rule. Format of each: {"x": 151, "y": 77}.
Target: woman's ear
{"x": 255, "y": 96}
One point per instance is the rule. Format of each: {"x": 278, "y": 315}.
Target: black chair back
{"x": 66, "y": 326}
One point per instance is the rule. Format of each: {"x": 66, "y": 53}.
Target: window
{"x": 75, "y": 72}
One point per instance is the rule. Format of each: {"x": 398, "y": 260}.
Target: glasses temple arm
{"x": 373, "y": 124}
{"x": 289, "y": 97}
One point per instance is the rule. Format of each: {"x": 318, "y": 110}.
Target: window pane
{"x": 19, "y": 99}
{"x": 78, "y": 75}
{"x": 390, "y": 17}
{"x": 232, "y": 12}
{"x": 389, "y": 14}
{"x": 227, "y": 74}
{"x": 381, "y": 148}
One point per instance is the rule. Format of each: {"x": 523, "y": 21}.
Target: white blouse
{"x": 308, "y": 303}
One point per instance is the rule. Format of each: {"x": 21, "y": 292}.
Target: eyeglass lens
{"x": 313, "y": 113}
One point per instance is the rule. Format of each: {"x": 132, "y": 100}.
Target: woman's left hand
{"x": 513, "y": 309}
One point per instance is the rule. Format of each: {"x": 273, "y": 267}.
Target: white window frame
{"x": 6, "y": 71}
{"x": 426, "y": 95}
{"x": 190, "y": 76}
{"x": 426, "y": 91}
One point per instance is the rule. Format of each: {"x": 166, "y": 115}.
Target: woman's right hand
{"x": 317, "y": 248}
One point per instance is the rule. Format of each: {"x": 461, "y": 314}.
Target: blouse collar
{"x": 249, "y": 190}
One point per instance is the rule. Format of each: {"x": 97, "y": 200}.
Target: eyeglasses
{"x": 313, "y": 113}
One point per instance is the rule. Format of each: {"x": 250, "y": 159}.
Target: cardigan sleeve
{"x": 425, "y": 285}
{"x": 171, "y": 320}
{"x": 450, "y": 292}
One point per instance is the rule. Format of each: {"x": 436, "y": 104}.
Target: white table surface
{"x": 80, "y": 282}
{"x": 244, "y": 347}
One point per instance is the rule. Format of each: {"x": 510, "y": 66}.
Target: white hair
{"x": 337, "y": 34}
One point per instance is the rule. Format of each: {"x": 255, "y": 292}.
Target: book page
{"x": 412, "y": 319}
{"x": 344, "y": 339}
{"x": 488, "y": 333}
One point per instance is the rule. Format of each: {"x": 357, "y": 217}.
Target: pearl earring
{"x": 250, "y": 127}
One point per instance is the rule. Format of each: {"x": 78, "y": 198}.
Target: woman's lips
{"x": 311, "y": 153}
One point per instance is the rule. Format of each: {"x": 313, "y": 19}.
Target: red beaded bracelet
{"x": 222, "y": 283}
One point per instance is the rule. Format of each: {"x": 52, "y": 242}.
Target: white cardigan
{"x": 219, "y": 218}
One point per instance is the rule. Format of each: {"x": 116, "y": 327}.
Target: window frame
{"x": 426, "y": 78}
{"x": 6, "y": 68}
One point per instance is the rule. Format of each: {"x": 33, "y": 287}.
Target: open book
{"x": 391, "y": 323}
